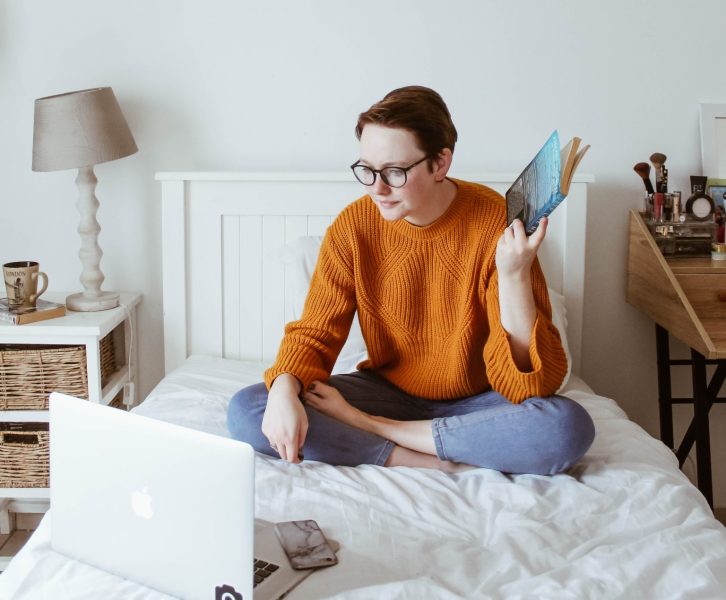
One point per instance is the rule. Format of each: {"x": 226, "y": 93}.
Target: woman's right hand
{"x": 285, "y": 423}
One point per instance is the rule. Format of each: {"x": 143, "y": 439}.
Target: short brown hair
{"x": 418, "y": 109}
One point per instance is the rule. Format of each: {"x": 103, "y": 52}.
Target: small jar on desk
{"x": 718, "y": 251}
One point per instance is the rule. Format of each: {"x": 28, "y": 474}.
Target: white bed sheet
{"x": 624, "y": 523}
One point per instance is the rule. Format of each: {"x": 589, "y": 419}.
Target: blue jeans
{"x": 540, "y": 435}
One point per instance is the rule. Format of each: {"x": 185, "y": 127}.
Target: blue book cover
{"x": 544, "y": 183}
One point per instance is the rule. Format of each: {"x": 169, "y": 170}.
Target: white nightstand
{"x": 75, "y": 328}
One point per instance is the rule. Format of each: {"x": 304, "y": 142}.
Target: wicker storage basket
{"x": 118, "y": 401}
{"x": 108, "y": 358}
{"x": 24, "y": 456}
{"x": 28, "y": 374}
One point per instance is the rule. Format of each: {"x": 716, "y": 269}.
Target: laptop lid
{"x": 137, "y": 497}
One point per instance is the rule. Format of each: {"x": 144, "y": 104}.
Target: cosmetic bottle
{"x": 668, "y": 207}
{"x": 718, "y": 251}
{"x": 677, "y": 209}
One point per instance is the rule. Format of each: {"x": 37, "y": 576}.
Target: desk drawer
{"x": 706, "y": 293}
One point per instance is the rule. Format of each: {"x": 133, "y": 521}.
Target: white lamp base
{"x": 81, "y": 302}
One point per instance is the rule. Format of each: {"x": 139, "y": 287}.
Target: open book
{"x": 544, "y": 183}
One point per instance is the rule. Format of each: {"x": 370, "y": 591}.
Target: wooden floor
{"x": 11, "y": 543}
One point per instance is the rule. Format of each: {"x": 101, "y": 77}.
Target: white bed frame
{"x": 224, "y": 290}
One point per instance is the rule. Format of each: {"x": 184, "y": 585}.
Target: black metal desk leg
{"x": 665, "y": 402}
{"x": 701, "y": 406}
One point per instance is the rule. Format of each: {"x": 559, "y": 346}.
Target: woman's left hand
{"x": 516, "y": 250}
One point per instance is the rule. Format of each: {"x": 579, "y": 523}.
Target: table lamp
{"x": 79, "y": 130}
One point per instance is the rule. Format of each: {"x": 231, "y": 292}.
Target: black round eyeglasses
{"x": 395, "y": 177}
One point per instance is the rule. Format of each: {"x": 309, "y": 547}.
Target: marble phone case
{"x": 305, "y": 544}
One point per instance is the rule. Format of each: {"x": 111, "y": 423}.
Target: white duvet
{"x": 624, "y": 523}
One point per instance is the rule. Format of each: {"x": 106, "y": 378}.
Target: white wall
{"x": 234, "y": 85}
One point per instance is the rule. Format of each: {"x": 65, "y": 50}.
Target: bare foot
{"x": 329, "y": 401}
{"x": 405, "y": 457}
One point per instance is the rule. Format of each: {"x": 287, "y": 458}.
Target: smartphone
{"x": 305, "y": 544}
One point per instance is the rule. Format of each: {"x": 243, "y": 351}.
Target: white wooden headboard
{"x": 224, "y": 291}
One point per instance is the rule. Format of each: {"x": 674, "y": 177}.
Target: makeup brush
{"x": 664, "y": 179}
{"x": 643, "y": 169}
{"x": 658, "y": 159}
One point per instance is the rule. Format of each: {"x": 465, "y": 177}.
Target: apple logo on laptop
{"x": 141, "y": 503}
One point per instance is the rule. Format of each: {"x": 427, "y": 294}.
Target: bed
{"x": 622, "y": 523}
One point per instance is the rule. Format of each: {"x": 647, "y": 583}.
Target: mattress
{"x": 622, "y": 523}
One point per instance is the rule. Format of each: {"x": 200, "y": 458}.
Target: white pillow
{"x": 302, "y": 255}
{"x": 559, "y": 320}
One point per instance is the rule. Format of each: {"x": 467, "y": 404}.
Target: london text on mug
{"x": 21, "y": 283}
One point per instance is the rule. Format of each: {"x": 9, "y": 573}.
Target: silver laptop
{"x": 165, "y": 506}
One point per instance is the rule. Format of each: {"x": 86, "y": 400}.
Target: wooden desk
{"x": 686, "y": 297}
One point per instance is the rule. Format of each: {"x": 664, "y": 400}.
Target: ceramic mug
{"x": 21, "y": 283}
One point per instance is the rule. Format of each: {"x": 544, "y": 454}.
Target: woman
{"x": 463, "y": 359}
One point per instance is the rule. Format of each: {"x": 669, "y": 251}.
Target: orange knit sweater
{"x": 427, "y": 301}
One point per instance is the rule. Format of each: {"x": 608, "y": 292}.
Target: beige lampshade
{"x": 79, "y": 129}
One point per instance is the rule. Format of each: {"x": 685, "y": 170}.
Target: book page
{"x": 570, "y": 163}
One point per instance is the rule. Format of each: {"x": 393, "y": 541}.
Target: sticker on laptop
{"x": 226, "y": 592}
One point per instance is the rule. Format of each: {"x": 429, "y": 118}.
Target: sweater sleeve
{"x": 311, "y": 344}
{"x": 549, "y": 362}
